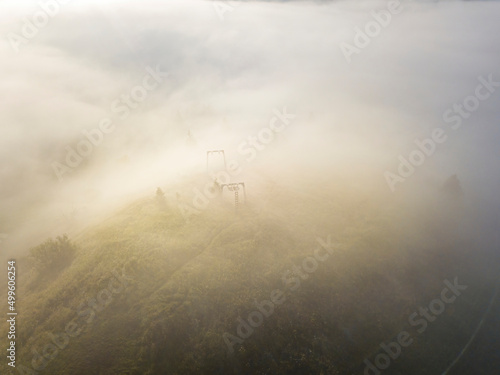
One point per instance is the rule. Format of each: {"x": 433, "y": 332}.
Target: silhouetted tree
{"x": 53, "y": 254}
{"x": 160, "y": 198}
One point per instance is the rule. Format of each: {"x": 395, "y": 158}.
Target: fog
{"x": 219, "y": 81}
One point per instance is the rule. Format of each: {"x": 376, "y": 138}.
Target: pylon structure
{"x": 235, "y": 186}
{"x": 217, "y": 152}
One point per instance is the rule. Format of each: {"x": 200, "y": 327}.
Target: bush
{"x": 53, "y": 254}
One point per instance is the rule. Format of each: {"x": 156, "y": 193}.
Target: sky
{"x": 152, "y": 74}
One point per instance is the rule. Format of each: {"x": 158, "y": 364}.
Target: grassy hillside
{"x": 149, "y": 292}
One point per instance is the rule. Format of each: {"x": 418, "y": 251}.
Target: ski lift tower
{"x": 216, "y": 152}
{"x": 235, "y": 186}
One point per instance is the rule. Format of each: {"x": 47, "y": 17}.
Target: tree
{"x": 160, "y": 198}
{"x": 53, "y": 254}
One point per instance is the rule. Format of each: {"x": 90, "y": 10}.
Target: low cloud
{"x": 224, "y": 81}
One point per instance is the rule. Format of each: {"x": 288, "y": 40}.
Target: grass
{"x": 191, "y": 280}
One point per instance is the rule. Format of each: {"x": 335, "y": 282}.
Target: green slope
{"x": 187, "y": 283}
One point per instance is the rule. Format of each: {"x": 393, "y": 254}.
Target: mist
{"x": 220, "y": 81}
{"x": 366, "y": 129}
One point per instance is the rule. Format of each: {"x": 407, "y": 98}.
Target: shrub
{"x": 53, "y": 254}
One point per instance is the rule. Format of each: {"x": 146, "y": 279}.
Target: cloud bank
{"x": 88, "y": 62}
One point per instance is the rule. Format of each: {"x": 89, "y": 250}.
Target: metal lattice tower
{"x": 217, "y": 152}
{"x": 235, "y": 186}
